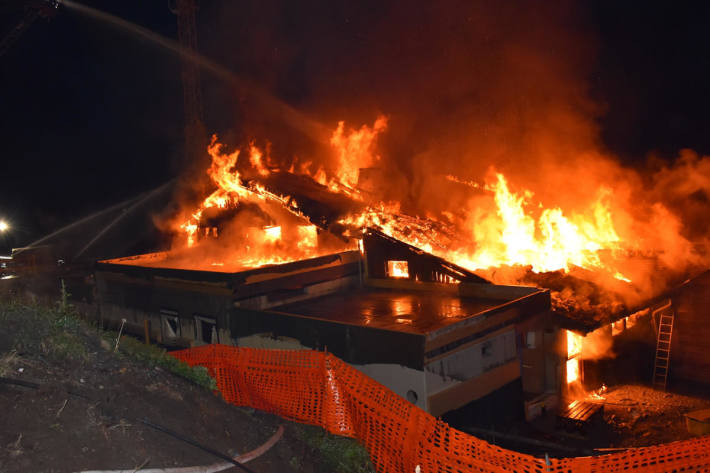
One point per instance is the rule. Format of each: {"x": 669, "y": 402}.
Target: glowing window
{"x": 572, "y": 370}
{"x": 307, "y": 236}
{"x": 574, "y": 344}
{"x": 397, "y": 269}
{"x": 272, "y": 234}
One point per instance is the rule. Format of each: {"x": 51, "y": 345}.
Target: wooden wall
{"x": 690, "y": 346}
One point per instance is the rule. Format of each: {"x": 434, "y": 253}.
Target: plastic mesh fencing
{"x": 317, "y": 388}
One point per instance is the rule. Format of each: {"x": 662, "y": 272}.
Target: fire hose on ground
{"x": 229, "y": 461}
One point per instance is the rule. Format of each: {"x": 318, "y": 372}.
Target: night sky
{"x": 92, "y": 116}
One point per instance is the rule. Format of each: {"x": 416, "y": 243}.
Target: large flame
{"x": 572, "y": 368}
{"x": 574, "y": 344}
{"x": 355, "y": 150}
{"x": 511, "y": 235}
{"x": 552, "y": 241}
{"x": 504, "y": 224}
{"x": 257, "y": 239}
{"x": 508, "y": 235}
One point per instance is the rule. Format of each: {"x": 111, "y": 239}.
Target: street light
{"x": 4, "y": 226}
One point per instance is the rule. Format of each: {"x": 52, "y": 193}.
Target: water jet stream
{"x": 122, "y": 215}
{"x": 269, "y": 104}
{"x": 129, "y": 204}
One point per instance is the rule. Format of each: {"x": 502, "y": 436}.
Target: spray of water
{"x": 127, "y": 211}
{"x": 129, "y": 205}
{"x": 268, "y": 103}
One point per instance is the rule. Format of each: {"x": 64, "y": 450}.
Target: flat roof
{"x": 401, "y": 310}
{"x": 184, "y": 263}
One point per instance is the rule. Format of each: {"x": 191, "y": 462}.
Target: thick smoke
{"x": 468, "y": 88}
{"x": 465, "y": 84}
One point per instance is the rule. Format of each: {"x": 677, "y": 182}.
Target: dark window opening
{"x": 169, "y": 324}
{"x": 206, "y": 330}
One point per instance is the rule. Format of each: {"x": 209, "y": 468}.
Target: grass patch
{"x": 57, "y": 332}
{"x": 152, "y": 356}
{"x": 48, "y": 331}
{"x": 66, "y": 345}
{"x": 339, "y": 454}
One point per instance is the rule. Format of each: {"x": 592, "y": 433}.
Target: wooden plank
{"x": 580, "y": 412}
{"x": 566, "y": 412}
{"x": 577, "y": 411}
{"x": 569, "y": 407}
{"x": 586, "y": 411}
{"x": 294, "y": 281}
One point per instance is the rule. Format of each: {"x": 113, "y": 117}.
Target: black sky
{"x": 91, "y": 115}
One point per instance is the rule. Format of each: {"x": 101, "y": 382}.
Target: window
{"x": 530, "y": 340}
{"x": 169, "y": 324}
{"x": 397, "y": 269}
{"x": 487, "y": 349}
{"x": 206, "y": 330}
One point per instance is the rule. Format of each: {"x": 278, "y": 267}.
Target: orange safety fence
{"x": 318, "y": 388}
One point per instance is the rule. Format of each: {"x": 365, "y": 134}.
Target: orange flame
{"x": 307, "y": 237}
{"x": 502, "y": 226}
{"x": 574, "y": 344}
{"x": 551, "y": 242}
{"x": 511, "y": 235}
{"x": 397, "y": 269}
{"x": 572, "y": 370}
{"x": 354, "y": 150}
{"x": 286, "y": 239}
{"x": 256, "y": 160}
{"x": 574, "y": 350}
{"x": 229, "y": 187}
{"x": 272, "y": 234}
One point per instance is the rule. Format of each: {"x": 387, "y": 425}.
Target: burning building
{"x": 444, "y": 308}
{"x": 386, "y": 311}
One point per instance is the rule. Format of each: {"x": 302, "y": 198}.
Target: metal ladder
{"x": 663, "y": 347}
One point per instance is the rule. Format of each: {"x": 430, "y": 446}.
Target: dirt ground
{"x": 633, "y": 416}
{"x": 50, "y": 430}
{"x": 641, "y": 416}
